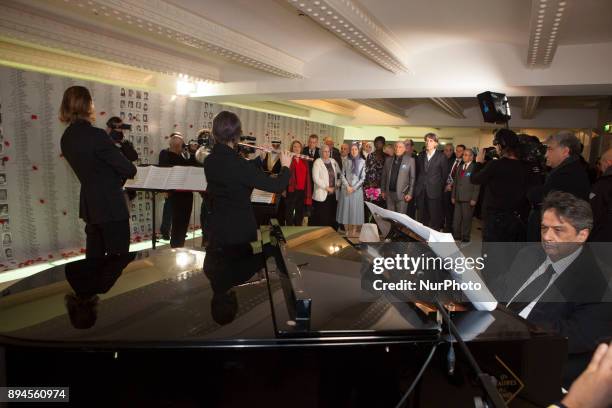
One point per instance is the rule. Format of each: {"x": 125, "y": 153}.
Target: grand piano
{"x": 279, "y": 324}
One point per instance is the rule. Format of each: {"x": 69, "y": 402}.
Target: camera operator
{"x": 566, "y": 174}
{"x": 102, "y": 170}
{"x": 115, "y": 128}
{"x": 505, "y": 183}
{"x": 231, "y": 180}
{"x": 179, "y": 154}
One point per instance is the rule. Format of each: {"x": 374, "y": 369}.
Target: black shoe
{"x": 165, "y": 237}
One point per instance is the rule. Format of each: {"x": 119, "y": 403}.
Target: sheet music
{"x": 415, "y": 226}
{"x": 176, "y": 178}
{"x": 260, "y": 196}
{"x": 195, "y": 179}
{"x": 139, "y": 179}
{"x": 188, "y": 178}
{"x": 156, "y": 178}
{"x": 443, "y": 245}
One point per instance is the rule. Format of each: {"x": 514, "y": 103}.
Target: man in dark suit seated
{"x": 559, "y": 285}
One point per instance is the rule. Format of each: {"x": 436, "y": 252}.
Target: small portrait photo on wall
{"x": 3, "y": 194}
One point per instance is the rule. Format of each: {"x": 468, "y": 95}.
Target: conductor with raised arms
{"x": 231, "y": 180}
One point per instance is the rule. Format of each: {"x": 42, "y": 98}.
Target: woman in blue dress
{"x": 350, "y": 207}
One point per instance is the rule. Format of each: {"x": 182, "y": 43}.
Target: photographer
{"x": 179, "y": 154}
{"x": 231, "y": 180}
{"x": 102, "y": 170}
{"x": 115, "y": 128}
{"x": 566, "y": 174}
{"x": 505, "y": 186}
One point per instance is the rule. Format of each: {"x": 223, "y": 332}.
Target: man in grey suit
{"x": 398, "y": 179}
{"x": 464, "y": 197}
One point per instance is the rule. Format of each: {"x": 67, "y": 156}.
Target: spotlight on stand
{"x": 494, "y": 107}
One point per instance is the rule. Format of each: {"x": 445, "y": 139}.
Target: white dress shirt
{"x": 430, "y": 155}
{"x": 559, "y": 266}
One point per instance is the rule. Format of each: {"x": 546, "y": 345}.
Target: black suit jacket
{"x": 336, "y": 156}
{"x": 431, "y": 177}
{"x": 231, "y": 180}
{"x": 101, "y": 168}
{"x": 570, "y": 177}
{"x": 572, "y": 306}
{"x": 315, "y": 156}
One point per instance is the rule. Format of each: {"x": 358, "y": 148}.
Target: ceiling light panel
{"x": 357, "y": 28}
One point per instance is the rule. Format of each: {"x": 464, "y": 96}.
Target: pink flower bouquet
{"x": 372, "y": 193}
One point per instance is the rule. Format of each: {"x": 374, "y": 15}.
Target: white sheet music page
{"x": 177, "y": 177}
{"x": 260, "y": 196}
{"x": 156, "y": 179}
{"x": 139, "y": 179}
{"x": 195, "y": 179}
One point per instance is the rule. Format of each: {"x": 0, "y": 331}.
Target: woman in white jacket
{"x": 326, "y": 180}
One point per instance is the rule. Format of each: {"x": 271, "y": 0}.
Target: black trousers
{"x": 294, "y": 208}
{"x": 164, "y": 228}
{"x": 411, "y": 209}
{"x": 430, "y": 211}
{"x": 324, "y": 212}
{"x": 449, "y": 211}
{"x": 502, "y": 226}
{"x": 182, "y": 204}
{"x": 109, "y": 238}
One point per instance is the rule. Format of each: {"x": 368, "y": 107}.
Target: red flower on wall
{"x": 42, "y": 200}
{"x": 102, "y": 113}
{"x": 7, "y": 143}
{"x": 34, "y": 167}
{"x": 34, "y": 117}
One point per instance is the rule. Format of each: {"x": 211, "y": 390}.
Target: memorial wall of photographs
{"x": 39, "y": 193}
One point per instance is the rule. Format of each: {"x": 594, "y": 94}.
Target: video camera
{"x": 123, "y": 126}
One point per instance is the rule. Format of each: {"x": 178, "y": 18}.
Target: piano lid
{"x": 188, "y": 297}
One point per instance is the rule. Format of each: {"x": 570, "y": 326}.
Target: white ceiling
{"x": 451, "y": 48}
